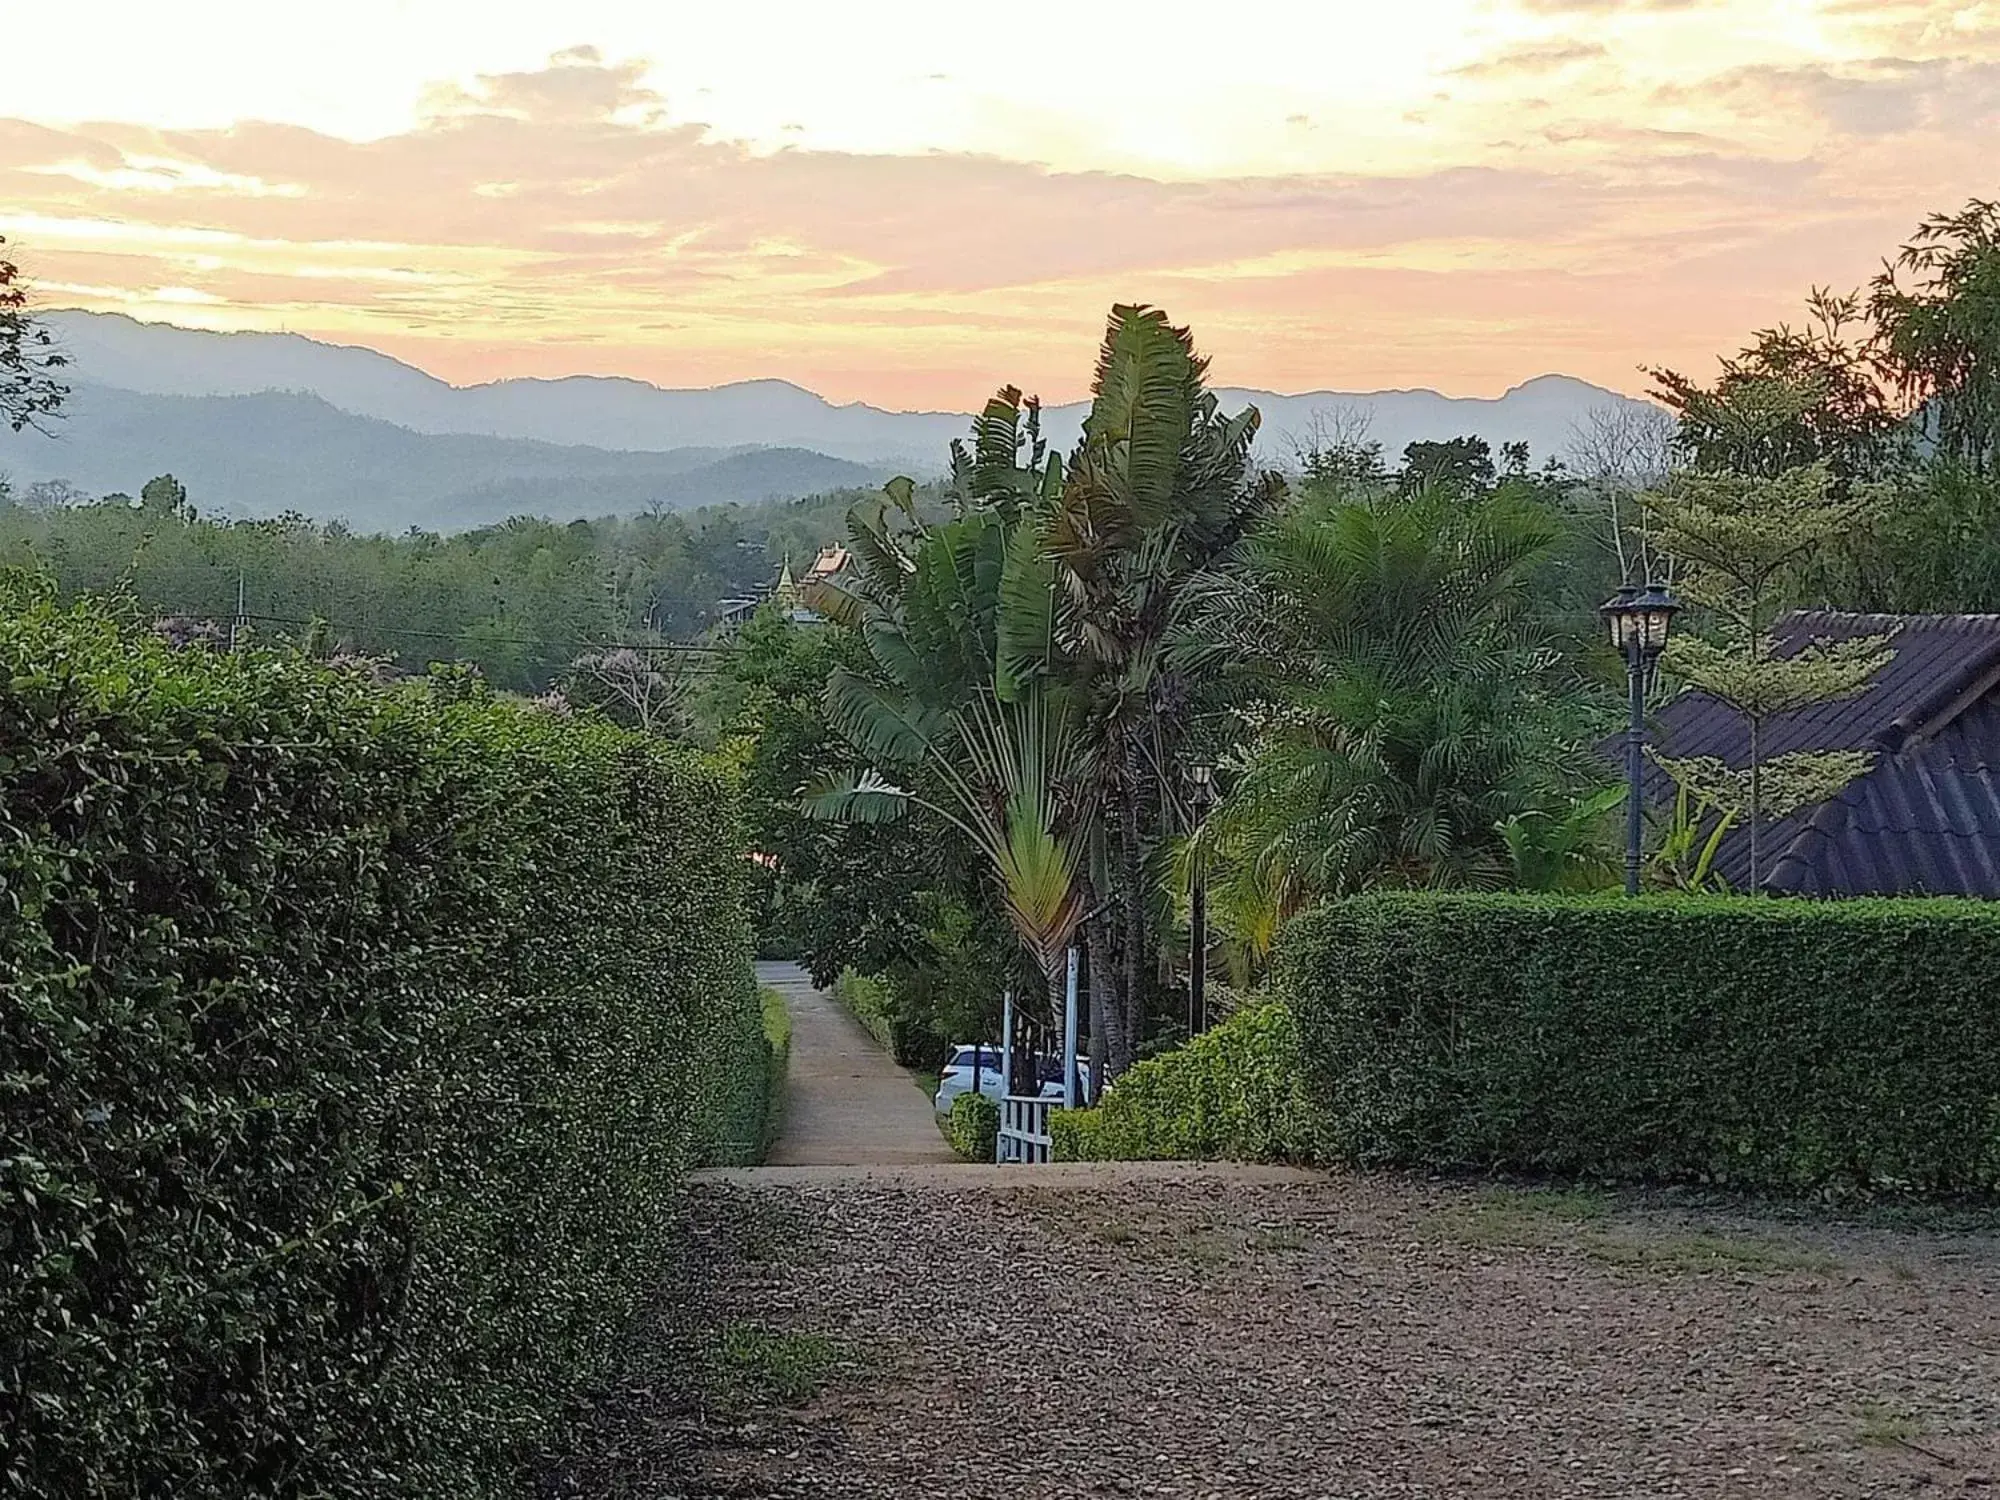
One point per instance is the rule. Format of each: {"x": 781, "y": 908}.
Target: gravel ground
{"x": 1227, "y": 1332}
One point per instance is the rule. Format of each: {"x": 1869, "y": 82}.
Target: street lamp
{"x": 1639, "y": 620}
{"x": 1203, "y": 776}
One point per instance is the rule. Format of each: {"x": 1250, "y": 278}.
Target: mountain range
{"x": 259, "y": 423}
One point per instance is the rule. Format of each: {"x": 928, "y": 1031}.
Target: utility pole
{"x": 241, "y": 624}
{"x": 1203, "y": 776}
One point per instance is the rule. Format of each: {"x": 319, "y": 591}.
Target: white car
{"x": 956, "y": 1078}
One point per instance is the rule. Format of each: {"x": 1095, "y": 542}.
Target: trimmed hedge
{"x": 353, "y": 1043}
{"x": 760, "y": 1049}
{"x": 884, "y": 1014}
{"x": 1233, "y": 1093}
{"x": 973, "y": 1127}
{"x": 1767, "y": 1044}
{"x": 777, "y": 1021}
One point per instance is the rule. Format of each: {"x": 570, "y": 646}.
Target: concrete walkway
{"x": 847, "y": 1103}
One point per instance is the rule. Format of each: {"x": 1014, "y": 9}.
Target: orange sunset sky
{"x": 907, "y": 203}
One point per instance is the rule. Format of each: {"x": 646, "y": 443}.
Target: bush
{"x": 753, "y": 1088}
{"x": 778, "y": 1042}
{"x": 900, "y": 1027}
{"x": 353, "y": 1044}
{"x": 973, "y": 1127}
{"x": 866, "y": 998}
{"x": 1768, "y": 1044}
{"x": 1233, "y": 1093}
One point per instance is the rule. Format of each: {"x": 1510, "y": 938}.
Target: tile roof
{"x": 1926, "y": 817}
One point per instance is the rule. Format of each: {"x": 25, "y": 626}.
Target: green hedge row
{"x": 973, "y": 1127}
{"x": 778, "y": 1054}
{"x": 353, "y": 1043}
{"x": 874, "y": 1002}
{"x": 1774, "y": 1045}
{"x": 760, "y": 1053}
{"x": 1233, "y": 1093}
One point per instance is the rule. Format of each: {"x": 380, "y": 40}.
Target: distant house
{"x": 1925, "y": 819}
{"x": 787, "y": 592}
{"x": 790, "y": 591}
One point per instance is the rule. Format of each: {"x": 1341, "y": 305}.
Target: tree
{"x": 1938, "y": 338}
{"x": 960, "y": 709}
{"x": 30, "y": 392}
{"x": 1157, "y": 504}
{"x": 646, "y": 690}
{"x": 1735, "y": 537}
{"x": 166, "y": 496}
{"x": 837, "y": 895}
{"x": 1792, "y": 396}
{"x": 1409, "y": 699}
{"x": 1460, "y": 465}
{"x": 1622, "y": 445}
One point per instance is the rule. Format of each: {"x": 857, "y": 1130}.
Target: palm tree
{"x": 1403, "y": 713}
{"x": 1159, "y": 497}
{"x": 962, "y": 708}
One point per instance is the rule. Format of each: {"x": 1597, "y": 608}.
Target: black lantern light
{"x": 1639, "y": 621}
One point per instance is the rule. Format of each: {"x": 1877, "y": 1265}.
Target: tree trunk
{"x": 1756, "y": 799}
{"x": 1098, "y": 977}
{"x": 1133, "y": 902}
{"x": 1107, "y": 1010}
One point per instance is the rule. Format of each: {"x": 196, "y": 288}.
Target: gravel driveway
{"x": 1173, "y": 1330}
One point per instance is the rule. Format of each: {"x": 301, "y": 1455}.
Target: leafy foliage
{"x": 1939, "y": 337}
{"x": 758, "y": 1059}
{"x": 973, "y": 1127}
{"x": 1793, "y": 397}
{"x": 1233, "y": 1093}
{"x": 351, "y": 1042}
{"x": 1778, "y": 1046}
{"x": 1735, "y": 536}
{"x": 1409, "y": 696}
{"x": 521, "y": 601}
{"x": 31, "y": 392}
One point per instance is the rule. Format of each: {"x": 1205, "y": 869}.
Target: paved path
{"x": 847, "y": 1103}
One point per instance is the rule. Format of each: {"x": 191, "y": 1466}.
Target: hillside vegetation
{"x": 261, "y": 455}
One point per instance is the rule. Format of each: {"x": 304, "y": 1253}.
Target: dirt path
{"x": 1227, "y": 1332}
{"x": 847, "y": 1102}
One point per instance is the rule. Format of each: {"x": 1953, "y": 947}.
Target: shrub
{"x": 973, "y": 1127}
{"x": 353, "y": 1044}
{"x": 1233, "y": 1093}
{"x": 1772, "y": 1045}
{"x": 778, "y": 1044}
{"x": 758, "y": 1057}
{"x": 866, "y": 998}
{"x": 898, "y": 1023}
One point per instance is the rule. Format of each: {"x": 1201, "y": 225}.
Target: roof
{"x": 1926, "y": 817}
{"x": 1925, "y": 821}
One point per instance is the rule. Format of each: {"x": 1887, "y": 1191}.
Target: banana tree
{"x": 1158, "y": 500}
{"x": 962, "y": 708}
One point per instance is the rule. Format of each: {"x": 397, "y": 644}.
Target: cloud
{"x": 1879, "y": 96}
{"x": 1606, "y": 7}
{"x": 559, "y": 219}
{"x": 1535, "y": 59}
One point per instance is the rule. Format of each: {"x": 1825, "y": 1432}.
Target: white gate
{"x": 1024, "y": 1130}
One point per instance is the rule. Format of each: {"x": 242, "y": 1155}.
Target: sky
{"x": 911, "y": 203}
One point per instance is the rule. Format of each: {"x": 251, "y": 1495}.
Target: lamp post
{"x": 1203, "y": 776}
{"x": 1639, "y": 620}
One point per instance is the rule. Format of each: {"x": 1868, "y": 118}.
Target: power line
{"x": 684, "y": 648}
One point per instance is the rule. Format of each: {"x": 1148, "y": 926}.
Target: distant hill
{"x": 263, "y": 454}
{"x": 617, "y": 413}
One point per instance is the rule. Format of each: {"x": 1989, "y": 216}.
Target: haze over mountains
{"x": 259, "y": 423}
